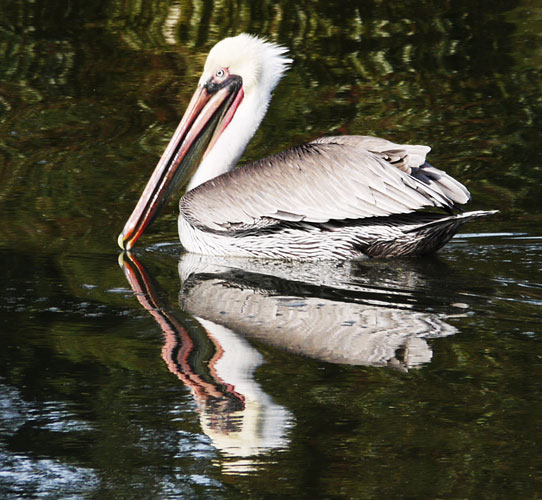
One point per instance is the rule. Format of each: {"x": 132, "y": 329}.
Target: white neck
{"x": 232, "y": 143}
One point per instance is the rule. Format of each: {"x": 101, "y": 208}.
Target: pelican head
{"x": 225, "y": 111}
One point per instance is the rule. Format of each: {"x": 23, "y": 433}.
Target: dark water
{"x": 414, "y": 378}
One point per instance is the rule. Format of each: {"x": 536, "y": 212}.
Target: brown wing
{"x": 332, "y": 178}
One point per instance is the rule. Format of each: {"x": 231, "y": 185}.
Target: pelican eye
{"x": 220, "y": 75}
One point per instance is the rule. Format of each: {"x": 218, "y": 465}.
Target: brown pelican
{"x": 333, "y": 198}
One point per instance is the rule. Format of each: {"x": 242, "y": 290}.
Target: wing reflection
{"x": 217, "y": 365}
{"x": 314, "y": 309}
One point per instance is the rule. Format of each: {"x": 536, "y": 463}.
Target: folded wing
{"x": 332, "y": 178}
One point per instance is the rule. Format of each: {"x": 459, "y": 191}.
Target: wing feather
{"x": 332, "y": 178}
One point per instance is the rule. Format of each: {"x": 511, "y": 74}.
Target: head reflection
{"x": 218, "y": 367}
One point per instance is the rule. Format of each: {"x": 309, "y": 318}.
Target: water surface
{"x": 202, "y": 378}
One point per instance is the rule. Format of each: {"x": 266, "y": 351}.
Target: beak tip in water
{"x": 121, "y": 242}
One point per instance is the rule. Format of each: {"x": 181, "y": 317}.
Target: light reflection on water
{"x": 24, "y": 475}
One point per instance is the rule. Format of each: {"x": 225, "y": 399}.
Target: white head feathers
{"x": 258, "y": 62}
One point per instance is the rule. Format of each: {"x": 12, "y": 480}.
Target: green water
{"x": 197, "y": 386}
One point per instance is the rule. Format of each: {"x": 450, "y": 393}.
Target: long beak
{"x": 206, "y": 117}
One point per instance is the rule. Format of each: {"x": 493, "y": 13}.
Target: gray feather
{"x": 332, "y": 178}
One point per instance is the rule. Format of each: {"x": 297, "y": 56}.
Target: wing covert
{"x": 332, "y": 178}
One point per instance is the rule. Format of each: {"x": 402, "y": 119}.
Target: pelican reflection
{"x": 324, "y": 311}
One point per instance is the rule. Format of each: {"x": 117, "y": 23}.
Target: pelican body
{"x": 339, "y": 197}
